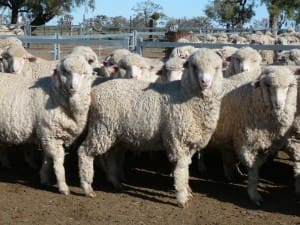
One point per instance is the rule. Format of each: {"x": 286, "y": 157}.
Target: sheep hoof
{"x": 65, "y": 192}
{"x": 91, "y": 194}
{"x": 257, "y": 199}
{"x": 182, "y": 199}
{"x": 182, "y": 204}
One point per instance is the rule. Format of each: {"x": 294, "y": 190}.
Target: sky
{"x": 172, "y": 8}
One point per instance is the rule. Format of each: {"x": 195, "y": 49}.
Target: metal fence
{"x": 134, "y": 41}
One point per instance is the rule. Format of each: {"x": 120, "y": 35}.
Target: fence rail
{"x": 133, "y": 41}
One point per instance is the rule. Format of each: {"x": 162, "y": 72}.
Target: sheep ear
{"x": 31, "y": 58}
{"x": 54, "y": 72}
{"x": 297, "y": 71}
{"x": 228, "y": 59}
{"x": 114, "y": 69}
{"x": 186, "y": 64}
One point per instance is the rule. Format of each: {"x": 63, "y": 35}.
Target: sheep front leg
{"x": 55, "y": 150}
{"x": 86, "y": 172}
{"x": 4, "y": 158}
{"x": 181, "y": 180}
{"x": 297, "y": 171}
{"x": 253, "y": 176}
{"x": 45, "y": 170}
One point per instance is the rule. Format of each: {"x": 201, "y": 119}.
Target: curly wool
{"x": 178, "y": 117}
{"x": 43, "y": 111}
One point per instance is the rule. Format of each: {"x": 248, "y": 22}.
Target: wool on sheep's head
{"x": 245, "y": 60}
{"x": 278, "y": 84}
{"x": 14, "y": 57}
{"x": 205, "y": 66}
{"x": 72, "y": 74}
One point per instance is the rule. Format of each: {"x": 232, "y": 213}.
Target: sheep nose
{"x": 205, "y": 82}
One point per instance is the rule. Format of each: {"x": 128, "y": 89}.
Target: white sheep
{"x": 88, "y": 53}
{"x": 138, "y": 67}
{"x": 254, "y": 120}
{"x": 48, "y": 111}
{"x": 244, "y": 59}
{"x": 174, "y": 68}
{"x": 183, "y": 51}
{"x": 17, "y": 60}
{"x": 178, "y": 117}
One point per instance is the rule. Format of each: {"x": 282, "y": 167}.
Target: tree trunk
{"x": 41, "y": 20}
{"x": 14, "y": 15}
{"x": 274, "y": 23}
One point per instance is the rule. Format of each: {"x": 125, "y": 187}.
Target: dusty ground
{"x": 148, "y": 197}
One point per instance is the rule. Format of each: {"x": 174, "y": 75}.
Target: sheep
{"x": 88, "y": 53}
{"x": 173, "y": 68}
{"x": 259, "y": 127}
{"x": 50, "y": 111}
{"x": 17, "y": 60}
{"x": 290, "y": 57}
{"x": 137, "y": 67}
{"x": 10, "y": 41}
{"x": 244, "y": 59}
{"x": 226, "y": 52}
{"x": 183, "y": 51}
{"x": 178, "y": 117}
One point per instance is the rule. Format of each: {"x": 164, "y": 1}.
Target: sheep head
{"x": 72, "y": 74}
{"x": 245, "y": 60}
{"x": 14, "y": 59}
{"x": 204, "y": 66}
{"x": 276, "y": 83}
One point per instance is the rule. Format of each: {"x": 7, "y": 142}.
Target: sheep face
{"x": 205, "y": 65}
{"x": 174, "y": 75}
{"x": 71, "y": 72}
{"x": 14, "y": 59}
{"x": 12, "y": 64}
{"x": 245, "y": 60}
{"x": 275, "y": 89}
{"x": 134, "y": 72}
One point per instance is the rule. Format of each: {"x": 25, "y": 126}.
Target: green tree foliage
{"x": 230, "y": 13}
{"x": 280, "y": 10}
{"x": 44, "y": 10}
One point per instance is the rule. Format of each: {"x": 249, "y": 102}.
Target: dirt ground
{"x": 148, "y": 196}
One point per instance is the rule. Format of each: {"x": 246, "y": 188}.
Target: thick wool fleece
{"x": 249, "y": 124}
{"x": 47, "y": 111}
{"x": 178, "y": 117}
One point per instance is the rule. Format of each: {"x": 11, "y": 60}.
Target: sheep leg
{"x": 253, "y": 176}
{"x": 181, "y": 179}
{"x": 113, "y": 169}
{"x": 30, "y": 159}
{"x": 4, "y": 158}
{"x": 56, "y": 151}
{"x": 229, "y": 165}
{"x": 294, "y": 152}
{"x": 86, "y": 172}
{"x": 201, "y": 164}
{"x": 45, "y": 170}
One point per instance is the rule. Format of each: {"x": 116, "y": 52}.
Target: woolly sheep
{"x": 137, "y": 67}
{"x": 290, "y": 57}
{"x": 225, "y": 53}
{"x": 178, "y": 117}
{"x": 183, "y": 51}
{"x": 17, "y": 60}
{"x": 88, "y": 53}
{"x": 258, "y": 128}
{"x": 244, "y": 59}
{"x": 174, "y": 67}
{"x": 48, "y": 111}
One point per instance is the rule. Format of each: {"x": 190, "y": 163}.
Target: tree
{"x": 230, "y": 13}
{"x": 147, "y": 12}
{"x": 199, "y": 22}
{"x": 44, "y": 10}
{"x": 280, "y": 11}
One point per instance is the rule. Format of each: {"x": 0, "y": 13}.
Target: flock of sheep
{"x": 198, "y": 98}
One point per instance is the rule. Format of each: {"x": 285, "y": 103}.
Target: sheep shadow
{"x": 149, "y": 179}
